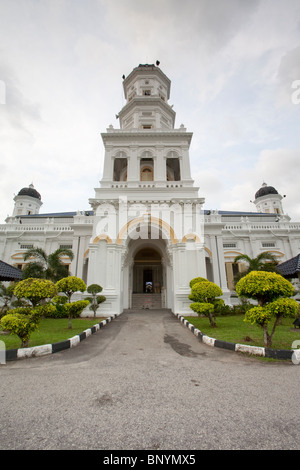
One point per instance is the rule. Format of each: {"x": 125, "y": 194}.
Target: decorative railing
{"x": 35, "y": 228}
{"x": 262, "y": 226}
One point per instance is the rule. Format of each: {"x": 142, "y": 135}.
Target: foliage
{"x": 204, "y": 295}
{"x": 75, "y": 309}
{"x": 264, "y": 286}
{"x": 272, "y": 291}
{"x": 202, "y": 308}
{"x": 265, "y": 261}
{"x": 22, "y": 321}
{"x": 284, "y": 307}
{"x": 60, "y": 310}
{"x": 196, "y": 280}
{"x": 46, "y": 266}
{"x": 68, "y": 286}
{"x": 205, "y": 292}
{"x": 94, "y": 289}
{"x": 35, "y": 290}
{"x": 95, "y": 300}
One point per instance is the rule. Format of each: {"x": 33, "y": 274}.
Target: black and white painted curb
{"x": 45, "y": 349}
{"x": 36, "y": 351}
{"x": 293, "y": 354}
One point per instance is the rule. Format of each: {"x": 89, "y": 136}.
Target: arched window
{"x": 146, "y": 167}
{"x": 120, "y": 169}
{"x": 146, "y": 174}
{"x": 173, "y": 169}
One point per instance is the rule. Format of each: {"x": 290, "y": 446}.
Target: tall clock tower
{"x": 148, "y": 239}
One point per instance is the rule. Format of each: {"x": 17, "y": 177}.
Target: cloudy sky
{"x": 232, "y": 63}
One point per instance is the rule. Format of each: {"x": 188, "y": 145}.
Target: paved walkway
{"x": 145, "y": 382}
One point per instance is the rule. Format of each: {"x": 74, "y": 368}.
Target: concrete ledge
{"x": 293, "y": 354}
{"x": 45, "y": 349}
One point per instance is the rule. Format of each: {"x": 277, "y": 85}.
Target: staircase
{"x": 146, "y": 301}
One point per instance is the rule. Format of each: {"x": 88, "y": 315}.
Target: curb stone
{"x": 293, "y": 354}
{"x": 45, "y": 349}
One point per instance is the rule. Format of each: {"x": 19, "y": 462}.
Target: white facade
{"x": 147, "y": 228}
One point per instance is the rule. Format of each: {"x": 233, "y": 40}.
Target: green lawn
{"x": 233, "y": 329}
{"x": 52, "y": 331}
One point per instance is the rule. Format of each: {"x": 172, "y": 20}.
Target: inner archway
{"x": 147, "y": 272}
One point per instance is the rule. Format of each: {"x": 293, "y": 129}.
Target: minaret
{"x": 147, "y": 147}
{"x": 147, "y": 202}
{"x": 27, "y": 202}
{"x": 267, "y": 200}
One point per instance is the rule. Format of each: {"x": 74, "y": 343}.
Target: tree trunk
{"x": 267, "y": 337}
{"x": 212, "y": 321}
{"x": 25, "y": 343}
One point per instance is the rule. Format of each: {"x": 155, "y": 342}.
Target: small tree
{"x": 69, "y": 285}
{"x": 23, "y": 321}
{"x": 272, "y": 291}
{"x": 36, "y": 291}
{"x": 95, "y": 300}
{"x": 204, "y": 295}
{"x": 75, "y": 309}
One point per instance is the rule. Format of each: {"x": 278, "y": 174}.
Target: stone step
{"x": 146, "y": 301}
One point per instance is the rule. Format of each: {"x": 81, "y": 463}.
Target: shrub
{"x": 95, "y": 300}
{"x": 205, "y": 292}
{"x": 204, "y": 295}
{"x": 35, "y": 290}
{"x": 264, "y": 286}
{"x": 202, "y": 308}
{"x": 60, "y": 310}
{"x": 196, "y": 280}
{"x": 75, "y": 309}
{"x": 69, "y": 285}
{"x": 272, "y": 292}
{"x": 22, "y": 321}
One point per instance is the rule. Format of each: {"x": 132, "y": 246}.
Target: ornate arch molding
{"x": 129, "y": 227}
{"x": 102, "y": 237}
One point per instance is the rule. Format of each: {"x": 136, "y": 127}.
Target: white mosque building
{"x": 146, "y": 234}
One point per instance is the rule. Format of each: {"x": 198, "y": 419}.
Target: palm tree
{"x": 263, "y": 262}
{"x": 46, "y": 266}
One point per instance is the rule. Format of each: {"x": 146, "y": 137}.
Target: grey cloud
{"x": 288, "y": 72}
{"x": 18, "y": 110}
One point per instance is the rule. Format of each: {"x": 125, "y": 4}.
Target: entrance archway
{"x": 147, "y": 272}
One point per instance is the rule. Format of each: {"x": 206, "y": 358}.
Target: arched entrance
{"x": 147, "y": 279}
{"x": 147, "y": 272}
{"x": 147, "y": 269}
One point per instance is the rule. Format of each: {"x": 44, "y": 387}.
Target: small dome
{"x": 265, "y": 190}
{"x": 30, "y": 191}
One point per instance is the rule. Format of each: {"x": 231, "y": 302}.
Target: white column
{"x": 133, "y": 173}
{"x": 185, "y": 171}
{"x": 108, "y": 165}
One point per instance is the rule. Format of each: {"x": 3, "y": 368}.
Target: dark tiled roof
{"x": 55, "y": 214}
{"x": 9, "y": 273}
{"x": 291, "y": 267}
